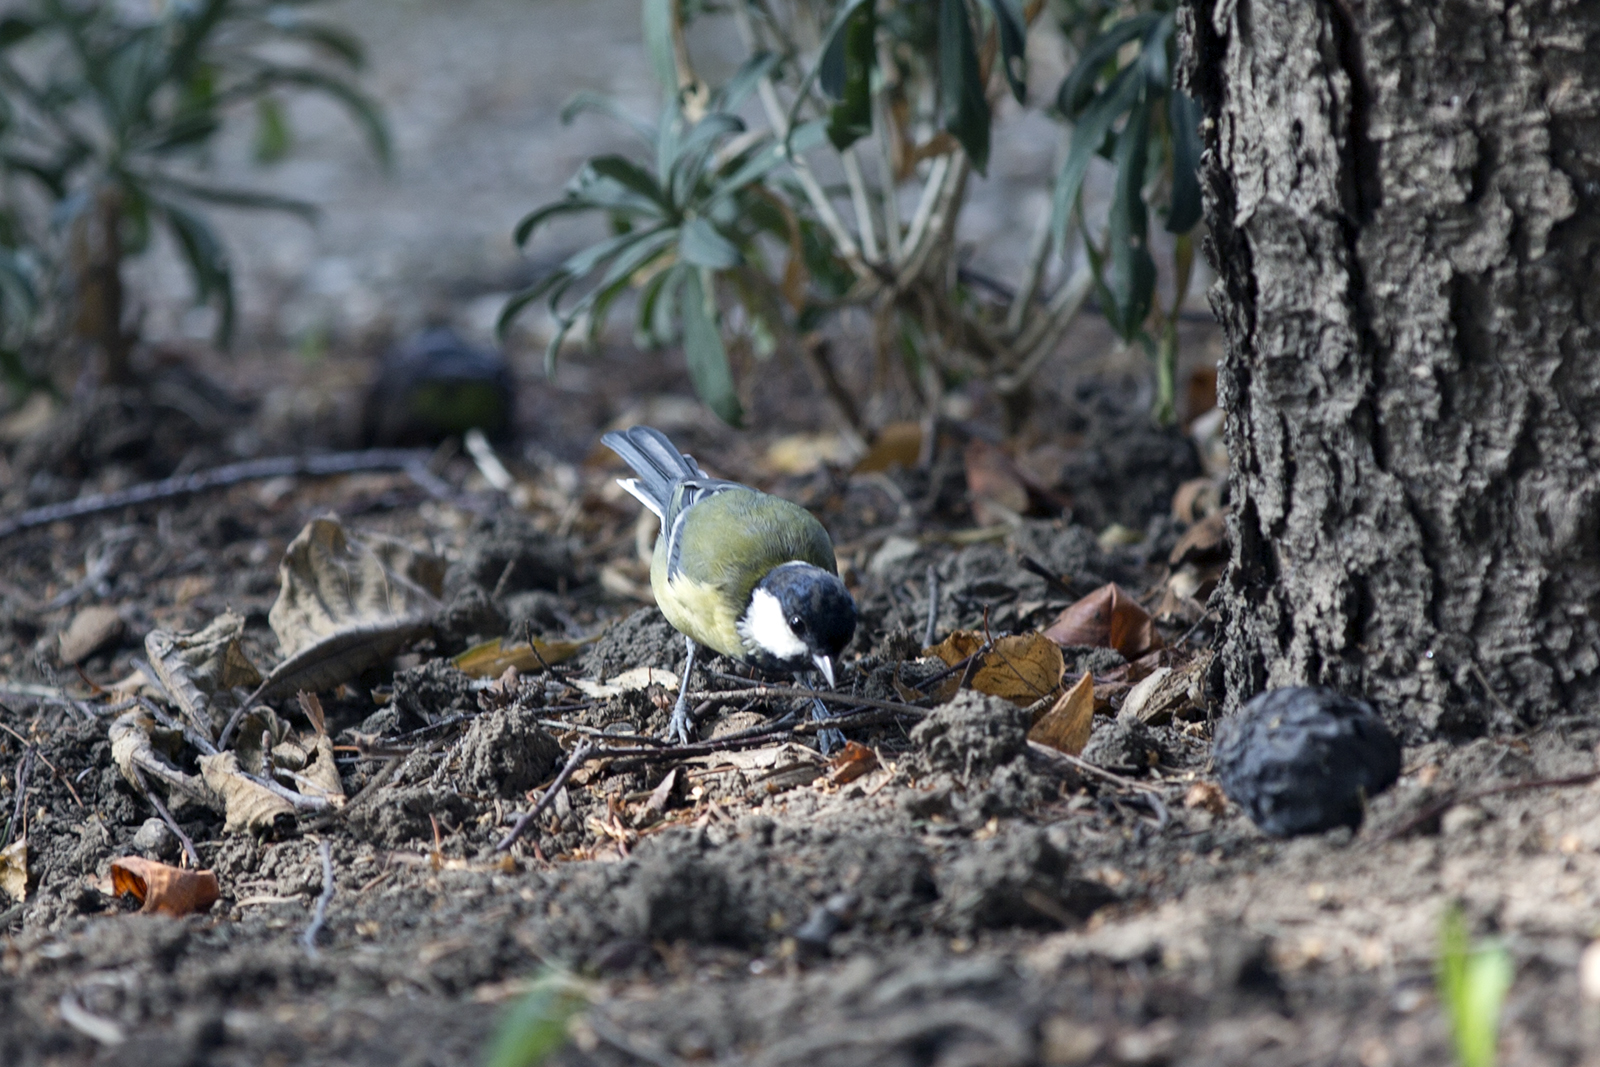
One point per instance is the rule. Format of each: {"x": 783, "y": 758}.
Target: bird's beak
{"x": 825, "y": 665}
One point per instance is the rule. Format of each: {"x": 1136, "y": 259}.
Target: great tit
{"x": 737, "y": 570}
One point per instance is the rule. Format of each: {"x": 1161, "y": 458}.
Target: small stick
{"x": 579, "y": 754}
{"x": 932, "y": 630}
{"x": 829, "y": 695}
{"x": 1452, "y": 798}
{"x": 413, "y": 463}
{"x": 1045, "y": 751}
{"x": 309, "y": 939}
{"x": 24, "y": 765}
{"x": 166, "y": 817}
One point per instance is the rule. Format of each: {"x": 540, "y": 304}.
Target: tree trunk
{"x": 1404, "y": 208}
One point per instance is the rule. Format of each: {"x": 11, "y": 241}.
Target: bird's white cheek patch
{"x": 765, "y": 627}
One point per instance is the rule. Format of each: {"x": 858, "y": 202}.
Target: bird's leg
{"x": 678, "y": 728}
{"x": 828, "y": 739}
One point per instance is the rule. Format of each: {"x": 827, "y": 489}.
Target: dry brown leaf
{"x": 132, "y": 751}
{"x": 994, "y": 486}
{"x": 851, "y": 762}
{"x": 490, "y": 659}
{"x": 1204, "y": 542}
{"x": 195, "y": 667}
{"x": 1107, "y": 618}
{"x": 804, "y": 453}
{"x": 661, "y": 795}
{"x": 897, "y": 443}
{"x": 320, "y": 776}
{"x": 90, "y": 630}
{"x": 1066, "y": 726}
{"x": 1022, "y": 669}
{"x": 346, "y": 603}
{"x": 249, "y": 806}
{"x": 1195, "y": 499}
{"x": 1206, "y": 795}
{"x": 311, "y": 708}
{"x": 164, "y": 889}
{"x": 14, "y": 870}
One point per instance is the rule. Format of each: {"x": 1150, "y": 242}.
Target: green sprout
{"x": 535, "y": 1028}
{"x": 1472, "y": 983}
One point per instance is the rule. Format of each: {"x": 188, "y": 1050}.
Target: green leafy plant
{"x": 1472, "y": 982}
{"x": 535, "y": 1028}
{"x": 105, "y": 110}
{"x": 738, "y": 247}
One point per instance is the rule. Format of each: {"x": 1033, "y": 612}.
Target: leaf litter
{"x": 1022, "y": 820}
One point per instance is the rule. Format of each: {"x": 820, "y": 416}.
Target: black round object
{"x": 1302, "y": 760}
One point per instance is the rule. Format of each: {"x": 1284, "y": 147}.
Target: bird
{"x": 741, "y": 572}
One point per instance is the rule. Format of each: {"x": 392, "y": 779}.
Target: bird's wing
{"x": 689, "y": 492}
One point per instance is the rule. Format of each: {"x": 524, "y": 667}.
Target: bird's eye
{"x": 797, "y": 624}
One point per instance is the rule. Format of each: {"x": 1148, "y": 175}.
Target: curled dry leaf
{"x": 133, "y": 752}
{"x": 851, "y": 762}
{"x": 1195, "y": 499}
{"x": 346, "y": 603}
{"x": 14, "y": 870}
{"x": 492, "y": 658}
{"x": 1022, "y": 669}
{"x": 320, "y": 776}
{"x": 1067, "y": 725}
{"x": 164, "y": 889}
{"x": 196, "y": 668}
{"x": 311, "y": 708}
{"x": 1109, "y": 617}
{"x": 248, "y": 805}
{"x": 1204, "y": 542}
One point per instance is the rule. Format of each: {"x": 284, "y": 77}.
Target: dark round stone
{"x": 1303, "y": 760}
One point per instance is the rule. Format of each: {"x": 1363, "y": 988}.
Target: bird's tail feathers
{"x": 659, "y": 465}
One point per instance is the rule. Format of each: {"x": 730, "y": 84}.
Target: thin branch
{"x": 1047, "y": 331}
{"x": 166, "y": 817}
{"x": 863, "y": 207}
{"x": 579, "y": 754}
{"x": 1039, "y": 246}
{"x": 891, "y": 188}
{"x": 920, "y": 218}
{"x": 309, "y": 938}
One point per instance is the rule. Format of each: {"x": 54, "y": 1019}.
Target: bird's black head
{"x": 800, "y": 618}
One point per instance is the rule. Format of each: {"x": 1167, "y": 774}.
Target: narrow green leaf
{"x": 963, "y": 108}
{"x": 1013, "y": 47}
{"x": 272, "y": 130}
{"x": 841, "y": 18}
{"x": 631, "y": 176}
{"x": 522, "y": 299}
{"x": 1078, "y": 86}
{"x": 14, "y": 28}
{"x": 334, "y": 40}
{"x": 658, "y": 16}
{"x": 1183, "y": 115}
{"x": 700, "y": 243}
{"x": 588, "y": 100}
{"x": 702, "y": 348}
{"x": 532, "y": 220}
{"x": 854, "y": 54}
{"x": 249, "y": 199}
{"x": 361, "y": 109}
{"x": 1088, "y": 134}
{"x": 1132, "y": 277}
{"x": 644, "y": 331}
{"x": 536, "y": 1027}
{"x": 207, "y": 261}
{"x": 694, "y": 152}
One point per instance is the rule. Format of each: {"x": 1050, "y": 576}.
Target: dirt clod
{"x": 506, "y": 753}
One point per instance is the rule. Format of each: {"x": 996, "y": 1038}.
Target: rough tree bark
{"x": 1404, "y": 207}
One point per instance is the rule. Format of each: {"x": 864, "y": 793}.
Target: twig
{"x": 1050, "y": 754}
{"x": 166, "y": 817}
{"x": 762, "y": 691}
{"x": 932, "y": 629}
{"x": 413, "y": 462}
{"x": 24, "y": 765}
{"x": 858, "y": 199}
{"x": 320, "y": 916}
{"x": 579, "y": 754}
{"x": 1452, "y": 798}
{"x": 54, "y": 770}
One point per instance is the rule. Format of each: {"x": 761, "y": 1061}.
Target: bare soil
{"x": 1000, "y": 908}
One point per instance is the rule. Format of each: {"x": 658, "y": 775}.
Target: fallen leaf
{"x": 164, "y": 889}
{"x": 90, "y": 630}
{"x": 803, "y": 453}
{"x": 133, "y": 752}
{"x": 311, "y": 708}
{"x": 1066, "y": 726}
{"x": 1147, "y": 702}
{"x": 490, "y": 659}
{"x": 1200, "y": 395}
{"x": 14, "y": 870}
{"x": 851, "y": 762}
{"x": 248, "y": 805}
{"x": 662, "y": 793}
{"x": 1207, "y": 796}
{"x": 628, "y": 681}
{"x": 321, "y": 775}
{"x": 1204, "y": 542}
{"x": 1022, "y": 668}
{"x": 899, "y": 443}
{"x": 1195, "y": 499}
{"x": 346, "y": 603}
{"x": 194, "y": 668}
{"x": 994, "y": 486}
{"x": 1107, "y": 618}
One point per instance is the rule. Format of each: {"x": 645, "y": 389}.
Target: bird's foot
{"x": 678, "y": 729}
